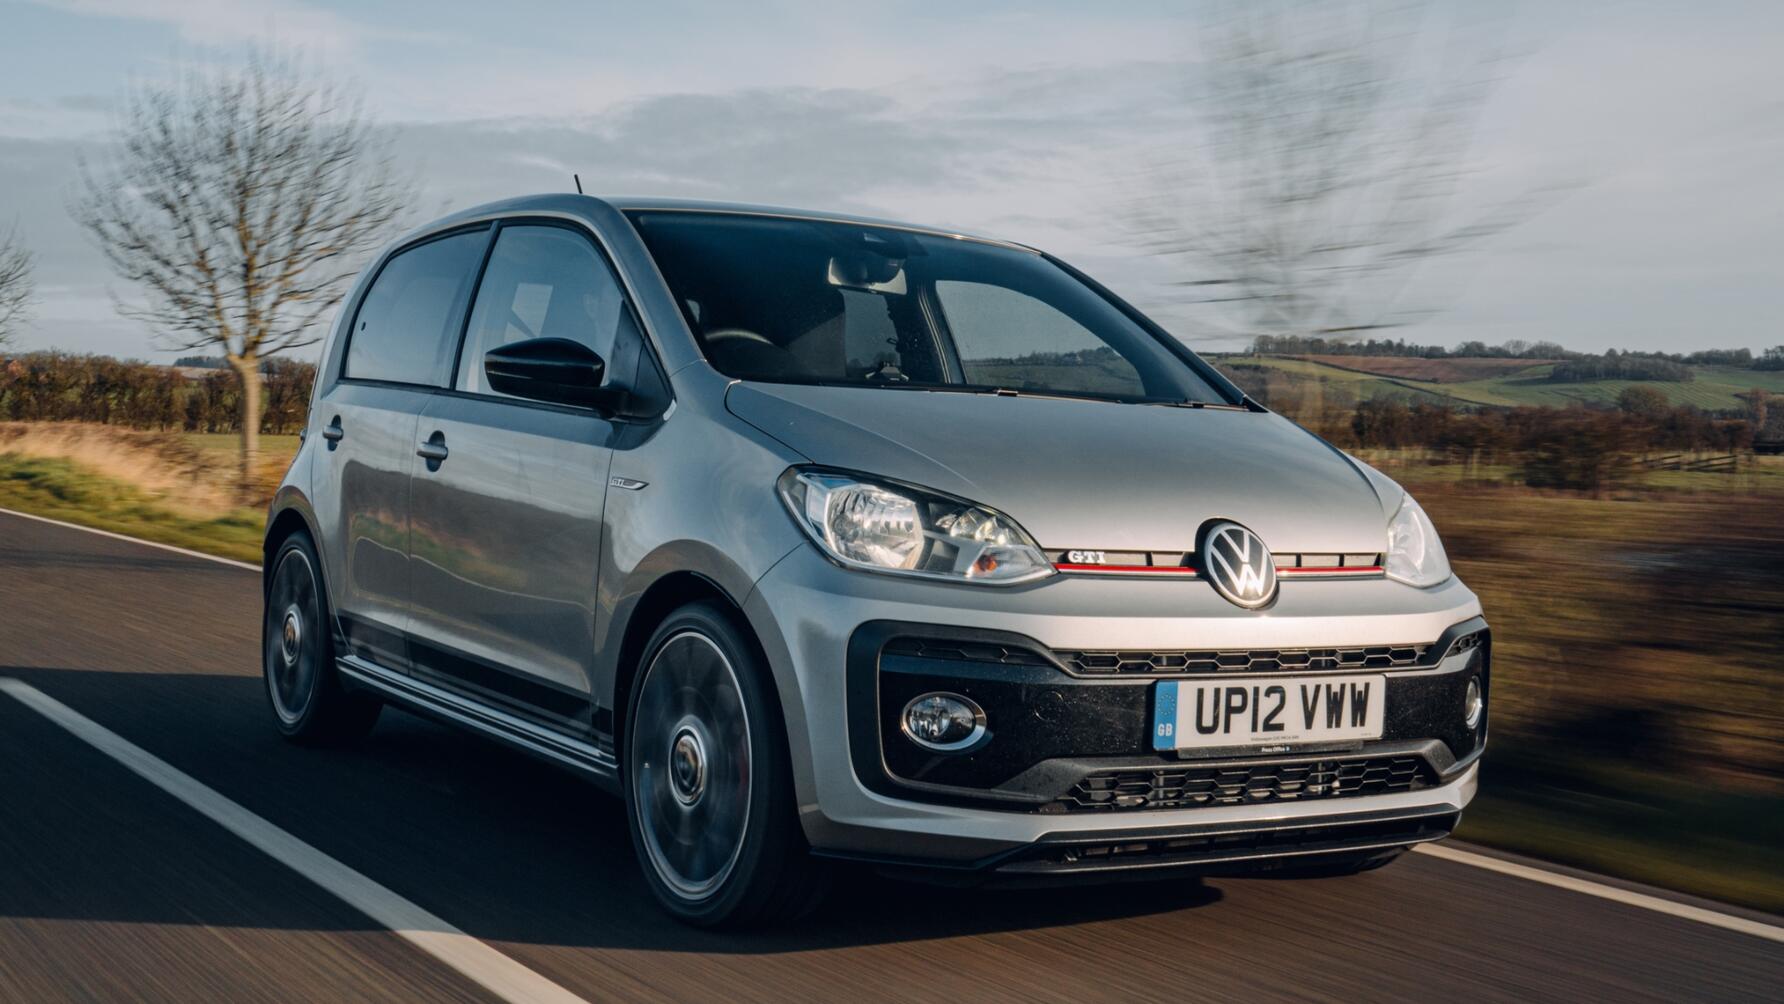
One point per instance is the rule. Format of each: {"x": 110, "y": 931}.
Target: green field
{"x": 65, "y": 490}
{"x": 1636, "y": 723}
{"x": 1715, "y": 388}
{"x": 231, "y": 443}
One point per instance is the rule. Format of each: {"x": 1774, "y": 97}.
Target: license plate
{"x": 1203, "y": 714}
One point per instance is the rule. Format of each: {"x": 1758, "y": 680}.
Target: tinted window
{"x": 406, "y": 328}
{"x": 542, "y": 282}
{"x": 870, "y": 336}
{"x": 1011, "y": 339}
{"x": 805, "y": 301}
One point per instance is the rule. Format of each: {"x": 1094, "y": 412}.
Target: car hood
{"x": 1087, "y": 474}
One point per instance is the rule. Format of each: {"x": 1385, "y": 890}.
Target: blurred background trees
{"x": 1642, "y": 402}
{"x": 1331, "y": 145}
{"x": 15, "y": 284}
{"x": 60, "y": 387}
{"x": 239, "y": 204}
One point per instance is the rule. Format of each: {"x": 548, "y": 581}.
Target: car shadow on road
{"x": 503, "y": 846}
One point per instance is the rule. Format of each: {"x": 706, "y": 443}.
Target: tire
{"x": 308, "y": 703}
{"x": 708, "y": 782}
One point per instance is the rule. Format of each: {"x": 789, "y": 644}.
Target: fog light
{"x": 943, "y": 722}
{"x": 1472, "y": 703}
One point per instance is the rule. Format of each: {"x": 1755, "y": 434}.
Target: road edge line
{"x": 188, "y": 552}
{"x": 1587, "y": 887}
{"x": 500, "y": 974}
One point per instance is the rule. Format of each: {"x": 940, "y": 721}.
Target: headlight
{"x": 1415, "y": 555}
{"x": 895, "y": 528}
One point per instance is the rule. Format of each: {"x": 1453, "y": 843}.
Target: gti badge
{"x": 1239, "y": 565}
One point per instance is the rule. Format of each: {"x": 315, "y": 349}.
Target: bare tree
{"x": 240, "y": 203}
{"x": 1331, "y": 141}
{"x": 15, "y": 284}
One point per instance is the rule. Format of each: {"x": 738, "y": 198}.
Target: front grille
{"x": 1247, "y": 661}
{"x": 1130, "y": 561}
{"x": 1194, "y": 785}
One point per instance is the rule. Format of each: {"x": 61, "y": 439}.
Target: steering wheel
{"x": 741, "y": 334}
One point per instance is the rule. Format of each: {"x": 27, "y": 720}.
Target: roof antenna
{"x": 578, "y": 179}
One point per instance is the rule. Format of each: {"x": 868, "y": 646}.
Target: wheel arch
{"x": 683, "y": 577}
{"x": 669, "y": 593}
{"x": 289, "y": 513}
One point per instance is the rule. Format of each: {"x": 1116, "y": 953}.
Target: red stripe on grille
{"x": 1152, "y": 569}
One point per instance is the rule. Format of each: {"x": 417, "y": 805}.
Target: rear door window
{"x": 542, "y": 282}
{"x": 407, "y": 326}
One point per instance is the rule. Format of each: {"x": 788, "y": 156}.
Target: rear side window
{"x": 542, "y": 282}
{"x": 406, "y": 328}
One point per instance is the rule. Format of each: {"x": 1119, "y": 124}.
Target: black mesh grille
{"x": 1247, "y": 661}
{"x": 1193, "y": 785}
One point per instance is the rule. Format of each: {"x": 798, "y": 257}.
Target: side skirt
{"x": 417, "y": 695}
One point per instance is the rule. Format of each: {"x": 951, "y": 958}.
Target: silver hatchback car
{"x": 821, "y": 538}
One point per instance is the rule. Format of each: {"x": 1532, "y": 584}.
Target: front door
{"x": 506, "y": 514}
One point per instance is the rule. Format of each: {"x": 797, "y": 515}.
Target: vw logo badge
{"x": 1239, "y": 565}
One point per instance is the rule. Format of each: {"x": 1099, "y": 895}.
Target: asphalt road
{"x": 112, "y": 889}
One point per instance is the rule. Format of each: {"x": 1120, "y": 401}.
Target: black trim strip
{"x": 370, "y": 641}
{"x": 419, "y": 696}
{"x": 1277, "y": 841}
{"x": 525, "y": 696}
{"x": 1439, "y": 819}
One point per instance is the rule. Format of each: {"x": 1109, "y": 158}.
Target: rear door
{"x": 399, "y": 351}
{"x": 506, "y": 526}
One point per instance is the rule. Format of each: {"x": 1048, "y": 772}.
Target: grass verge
{"x": 62, "y": 489}
{"x": 1631, "y": 822}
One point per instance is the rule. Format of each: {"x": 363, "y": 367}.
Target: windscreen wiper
{"x": 1214, "y": 405}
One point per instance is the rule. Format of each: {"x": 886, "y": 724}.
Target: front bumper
{"x": 1010, "y": 807}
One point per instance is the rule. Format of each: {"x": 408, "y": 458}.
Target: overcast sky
{"x": 1028, "y": 121}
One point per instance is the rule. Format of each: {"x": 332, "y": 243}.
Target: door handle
{"x": 333, "y": 431}
{"x": 434, "y": 450}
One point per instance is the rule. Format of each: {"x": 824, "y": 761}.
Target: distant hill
{"x": 1449, "y": 370}
{"x": 1484, "y": 381}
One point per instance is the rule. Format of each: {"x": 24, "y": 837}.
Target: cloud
{"x": 1673, "y": 238}
{"x": 948, "y": 162}
{"x": 229, "y": 23}
{"x": 59, "y": 116}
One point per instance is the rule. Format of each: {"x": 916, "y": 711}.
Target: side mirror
{"x": 555, "y": 370}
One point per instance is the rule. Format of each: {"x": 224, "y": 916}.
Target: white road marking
{"x": 188, "y": 552}
{"x": 501, "y": 975}
{"x": 1586, "y": 887}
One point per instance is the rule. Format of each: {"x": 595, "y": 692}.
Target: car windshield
{"x": 785, "y": 300}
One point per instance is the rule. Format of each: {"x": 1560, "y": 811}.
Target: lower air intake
{"x": 1192, "y": 785}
